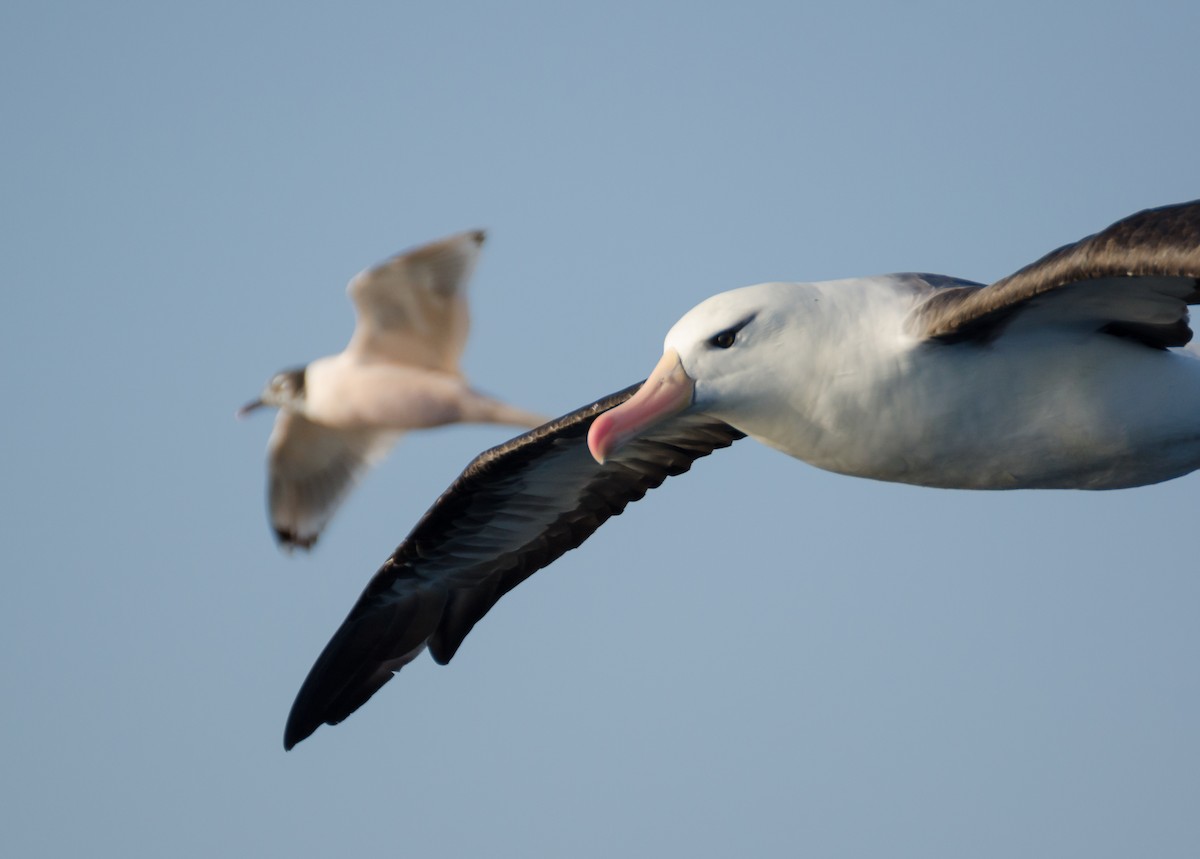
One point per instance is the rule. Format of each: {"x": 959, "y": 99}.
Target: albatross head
{"x": 285, "y": 390}
{"x": 713, "y": 362}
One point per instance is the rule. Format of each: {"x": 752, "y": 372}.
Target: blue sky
{"x": 757, "y": 659}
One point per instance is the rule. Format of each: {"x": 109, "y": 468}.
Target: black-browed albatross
{"x": 340, "y": 415}
{"x": 1066, "y": 374}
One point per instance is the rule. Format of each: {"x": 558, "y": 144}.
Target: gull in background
{"x": 341, "y": 414}
{"x": 1068, "y": 374}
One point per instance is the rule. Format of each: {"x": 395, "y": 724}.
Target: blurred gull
{"x": 1067, "y": 374}
{"x": 341, "y": 414}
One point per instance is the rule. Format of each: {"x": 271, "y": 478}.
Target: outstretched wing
{"x": 412, "y": 308}
{"x": 311, "y": 469}
{"x": 1134, "y": 279}
{"x": 515, "y": 509}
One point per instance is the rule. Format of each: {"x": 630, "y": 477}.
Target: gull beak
{"x": 248, "y": 408}
{"x": 667, "y": 392}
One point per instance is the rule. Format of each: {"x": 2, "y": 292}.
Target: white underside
{"x": 344, "y": 393}
{"x": 1042, "y": 406}
{"x": 1112, "y": 415}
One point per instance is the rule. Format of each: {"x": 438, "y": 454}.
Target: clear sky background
{"x": 759, "y": 659}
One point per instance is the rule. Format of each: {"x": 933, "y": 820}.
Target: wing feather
{"x": 1134, "y": 279}
{"x": 513, "y": 510}
{"x": 412, "y": 308}
{"x": 311, "y": 469}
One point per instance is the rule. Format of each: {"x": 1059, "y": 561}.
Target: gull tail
{"x": 486, "y": 410}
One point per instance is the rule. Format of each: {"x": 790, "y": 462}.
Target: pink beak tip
{"x": 597, "y": 439}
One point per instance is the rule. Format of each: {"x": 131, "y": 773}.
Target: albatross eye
{"x": 724, "y": 339}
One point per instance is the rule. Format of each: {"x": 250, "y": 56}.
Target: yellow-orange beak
{"x": 667, "y": 392}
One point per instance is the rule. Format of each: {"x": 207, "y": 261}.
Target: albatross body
{"x": 341, "y": 414}
{"x": 1069, "y": 373}
{"x": 853, "y": 389}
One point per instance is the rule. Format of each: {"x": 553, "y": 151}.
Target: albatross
{"x": 341, "y": 414}
{"x": 1067, "y": 374}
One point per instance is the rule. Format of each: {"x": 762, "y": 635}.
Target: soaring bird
{"x": 341, "y": 414}
{"x": 1066, "y": 374}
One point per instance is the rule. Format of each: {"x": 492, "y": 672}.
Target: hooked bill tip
{"x": 598, "y": 437}
{"x": 668, "y": 391}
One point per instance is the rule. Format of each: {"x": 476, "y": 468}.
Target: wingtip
{"x": 295, "y": 733}
{"x": 288, "y": 540}
{"x": 289, "y": 742}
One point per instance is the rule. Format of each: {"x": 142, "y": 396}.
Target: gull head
{"x": 285, "y": 390}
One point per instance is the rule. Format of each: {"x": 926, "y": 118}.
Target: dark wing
{"x": 515, "y": 509}
{"x": 310, "y": 471}
{"x": 1134, "y": 279}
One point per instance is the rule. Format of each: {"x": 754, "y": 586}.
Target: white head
{"x": 712, "y": 362}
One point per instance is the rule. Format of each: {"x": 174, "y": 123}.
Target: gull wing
{"x": 311, "y": 469}
{"x": 412, "y": 308}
